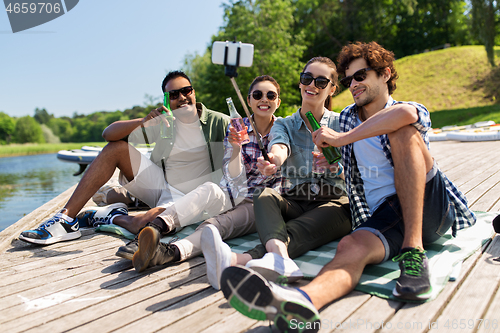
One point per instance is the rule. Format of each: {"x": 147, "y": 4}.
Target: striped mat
{"x": 445, "y": 256}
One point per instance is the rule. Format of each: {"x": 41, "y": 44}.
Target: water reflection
{"x": 27, "y": 182}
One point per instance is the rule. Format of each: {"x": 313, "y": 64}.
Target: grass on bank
{"x": 42, "y": 148}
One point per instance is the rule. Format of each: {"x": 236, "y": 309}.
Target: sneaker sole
{"x": 250, "y": 294}
{"x": 52, "y": 240}
{"x": 148, "y": 242}
{"x": 413, "y": 297}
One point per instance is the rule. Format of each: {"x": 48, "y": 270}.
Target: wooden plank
{"x": 173, "y": 313}
{"x": 340, "y": 310}
{"x": 412, "y": 315}
{"x": 488, "y": 200}
{"x": 200, "y": 319}
{"x": 472, "y": 298}
{"x": 370, "y": 317}
{"x": 231, "y": 322}
{"x": 478, "y": 191}
{"x": 125, "y": 303}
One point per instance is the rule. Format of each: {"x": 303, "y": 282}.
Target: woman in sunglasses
{"x": 241, "y": 179}
{"x": 313, "y": 209}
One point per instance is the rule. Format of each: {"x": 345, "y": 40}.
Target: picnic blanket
{"x": 445, "y": 256}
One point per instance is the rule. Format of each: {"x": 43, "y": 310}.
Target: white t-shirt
{"x": 188, "y": 164}
{"x": 375, "y": 169}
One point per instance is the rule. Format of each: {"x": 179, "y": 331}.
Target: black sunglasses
{"x": 186, "y": 91}
{"x": 320, "y": 82}
{"x": 257, "y": 95}
{"x": 359, "y": 76}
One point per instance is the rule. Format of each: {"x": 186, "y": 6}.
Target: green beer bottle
{"x": 167, "y": 132}
{"x": 332, "y": 154}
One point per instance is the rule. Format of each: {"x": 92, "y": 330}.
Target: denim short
{"x": 387, "y": 221}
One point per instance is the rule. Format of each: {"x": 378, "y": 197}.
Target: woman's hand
{"x": 267, "y": 168}
{"x": 236, "y": 138}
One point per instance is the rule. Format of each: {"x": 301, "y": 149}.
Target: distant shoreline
{"x": 42, "y": 148}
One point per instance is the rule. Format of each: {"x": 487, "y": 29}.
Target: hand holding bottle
{"x": 235, "y": 138}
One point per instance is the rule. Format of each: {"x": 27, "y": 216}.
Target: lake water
{"x": 28, "y": 182}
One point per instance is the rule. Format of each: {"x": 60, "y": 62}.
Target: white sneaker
{"x": 58, "y": 228}
{"x": 217, "y": 254}
{"x": 272, "y": 266}
{"x": 96, "y": 216}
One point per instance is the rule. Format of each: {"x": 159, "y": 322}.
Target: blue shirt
{"x": 293, "y": 133}
{"x": 375, "y": 170}
{"x": 360, "y": 211}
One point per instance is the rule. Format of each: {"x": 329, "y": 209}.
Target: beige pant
{"x": 236, "y": 222}
{"x": 205, "y": 201}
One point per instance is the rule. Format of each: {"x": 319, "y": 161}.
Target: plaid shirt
{"x": 246, "y": 182}
{"x": 360, "y": 211}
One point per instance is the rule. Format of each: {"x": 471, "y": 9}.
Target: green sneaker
{"x": 413, "y": 283}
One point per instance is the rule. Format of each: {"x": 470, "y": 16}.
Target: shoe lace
{"x": 97, "y": 221}
{"x": 51, "y": 221}
{"x": 282, "y": 280}
{"x": 412, "y": 261}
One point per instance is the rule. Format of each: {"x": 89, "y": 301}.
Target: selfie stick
{"x": 231, "y": 72}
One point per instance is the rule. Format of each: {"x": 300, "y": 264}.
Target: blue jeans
{"x": 387, "y": 221}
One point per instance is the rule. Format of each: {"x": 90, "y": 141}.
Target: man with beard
{"x": 186, "y": 155}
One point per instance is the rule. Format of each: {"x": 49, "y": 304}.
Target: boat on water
{"x": 85, "y": 155}
{"x": 480, "y": 131}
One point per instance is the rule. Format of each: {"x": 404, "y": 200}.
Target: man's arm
{"x": 121, "y": 128}
{"x": 385, "y": 121}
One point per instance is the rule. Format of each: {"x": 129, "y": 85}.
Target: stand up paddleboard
{"x": 84, "y": 156}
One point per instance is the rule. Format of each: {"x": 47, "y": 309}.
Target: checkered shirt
{"x": 250, "y": 178}
{"x": 360, "y": 211}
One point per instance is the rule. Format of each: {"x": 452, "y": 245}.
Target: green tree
{"x": 62, "y": 128}
{"x": 28, "y": 130}
{"x": 484, "y": 24}
{"x": 42, "y": 116}
{"x": 7, "y": 128}
{"x": 405, "y": 27}
{"x": 269, "y": 25}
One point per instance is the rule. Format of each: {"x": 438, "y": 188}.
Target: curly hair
{"x": 334, "y": 77}
{"x": 375, "y": 56}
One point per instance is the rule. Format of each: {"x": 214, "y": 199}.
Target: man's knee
{"x": 361, "y": 245}
{"x": 404, "y": 136}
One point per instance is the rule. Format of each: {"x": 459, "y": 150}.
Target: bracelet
{"x": 339, "y": 170}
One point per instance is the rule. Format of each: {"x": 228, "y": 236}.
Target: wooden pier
{"x": 81, "y": 286}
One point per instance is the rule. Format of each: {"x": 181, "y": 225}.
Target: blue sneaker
{"x": 58, "y": 228}
{"x": 253, "y": 296}
{"x": 96, "y": 216}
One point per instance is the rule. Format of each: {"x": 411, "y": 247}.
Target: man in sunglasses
{"x": 188, "y": 152}
{"x": 399, "y": 198}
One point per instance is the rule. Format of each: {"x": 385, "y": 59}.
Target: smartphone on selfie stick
{"x": 232, "y": 55}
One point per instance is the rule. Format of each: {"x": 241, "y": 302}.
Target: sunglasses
{"x": 257, "y": 95}
{"x": 174, "y": 94}
{"x": 359, "y": 76}
{"x": 320, "y": 82}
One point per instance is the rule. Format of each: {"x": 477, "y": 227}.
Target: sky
{"x": 103, "y": 55}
